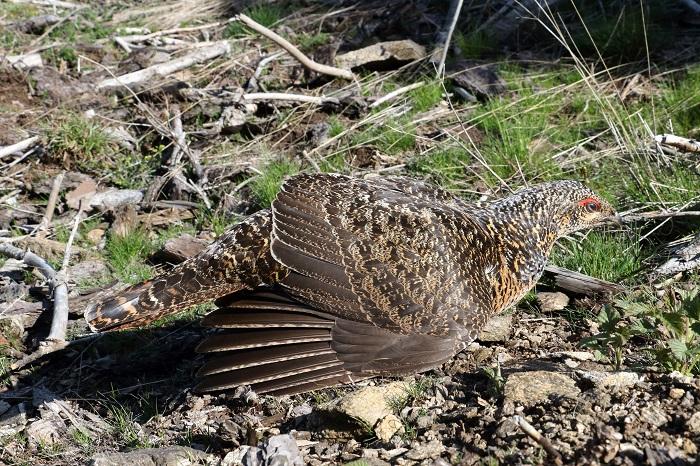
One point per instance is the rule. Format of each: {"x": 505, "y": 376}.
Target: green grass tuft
{"x": 609, "y": 256}
{"x": 266, "y": 185}
{"x": 445, "y": 167}
{"x": 426, "y": 97}
{"x": 267, "y": 15}
{"x": 127, "y": 255}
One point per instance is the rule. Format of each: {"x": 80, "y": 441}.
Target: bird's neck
{"x": 528, "y": 233}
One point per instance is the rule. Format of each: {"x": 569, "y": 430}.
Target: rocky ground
{"x": 112, "y": 183}
{"x": 118, "y": 393}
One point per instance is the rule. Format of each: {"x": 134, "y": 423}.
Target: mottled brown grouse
{"x": 348, "y": 278}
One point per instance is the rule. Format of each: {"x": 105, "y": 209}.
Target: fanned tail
{"x": 147, "y": 302}
{"x": 240, "y": 259}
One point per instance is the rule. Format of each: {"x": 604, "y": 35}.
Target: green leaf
{"x": 695, "y": 327}
{"x": 674, "y": 321}
{"x": 678, "y": 348}
{"x": 692, "y": 307}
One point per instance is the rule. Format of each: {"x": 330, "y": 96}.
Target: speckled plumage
{"x": 348, "y": 278}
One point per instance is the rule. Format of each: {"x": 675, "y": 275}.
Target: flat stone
{"x": 497, "y": 329}
{"x": 83, "y": 192}
{"x": 45, "y": 431}
{"x": 653, "y": 415}
{"x": 432, "y": 449}
{"x": 181, "y": 248}
{"x": 611, "y": 379}
{"x": 167, "y": 456}
{"x": 529, "y": 388}
{"x": 399, "y": 50}
{"x": 551, "y": 302}
{"x": 676, "y": 393}
{"x": 89, "y": 270}
{"x": 370, "y": 404}
{"x": 387, "y": 427}
{"x": 479, "y": 80}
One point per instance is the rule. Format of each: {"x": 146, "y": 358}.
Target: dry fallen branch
{"x": 293, "y": 51}
{"x": 577, "y": 282}
{"x": 684, "y": 144}
{"x": 199, "y": 55}
{"x": 266, "y": 96}
{"x": 18, "y": 146}
{"x": 634, "y": 217}
{"x": 539, "y": 438}
{"x": 56, "y": 340}
{"x": 684, "y": 259}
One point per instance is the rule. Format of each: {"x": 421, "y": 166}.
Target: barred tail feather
{"x": 146, "y": 302}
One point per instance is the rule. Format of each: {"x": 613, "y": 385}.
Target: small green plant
{"x": 426, "y": 97}
{"x": 497, "y": 382}
{"x": 79, "y": 138}
{"x": 267, "y": 184}
{"x": 83, "y": 440}
{"x": 608, "y": 256}
{"x": 474, "y": 44}
{"x": 127, "y": 255}
{"x": 267, "y": 15}
{"x": 618, "y": 323}
{"x": 676, "y": 329}
{"x": 310, "y": 41}
{"x": 124, "y": 426}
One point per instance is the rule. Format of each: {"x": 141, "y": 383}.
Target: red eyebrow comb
{"x": 589, "y": 199}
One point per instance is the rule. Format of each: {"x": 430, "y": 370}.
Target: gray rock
{"x": 653, "y": 415}
{"x": 497, "y": 329}
{"x": 611, "y": 379}
{"x": 550, "y": 302}
{"x": 529, "y": 388}
{"x": 167, "y": 456}
{"x": 4, "y": 407}
{"x": 88, "y": 271}
{"x": 113, "y": 198}
{"x": 419, "y": 452}
{"x": 278, "y": 450}
{"x": 370, "y": 404}
{"x": 45, "y": 431}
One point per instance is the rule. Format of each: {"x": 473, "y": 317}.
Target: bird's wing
{"x": 368, "y": 252}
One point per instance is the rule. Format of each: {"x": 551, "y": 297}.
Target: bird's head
{"x": 580, "y": 208}
{"x": 566, "y": 206}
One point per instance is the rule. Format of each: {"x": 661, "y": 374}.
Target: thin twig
{"x": 258, "y": 96}
{"x": 457, "y": 6}
{"x": 252, "y": 84}
{"x": 539, "y": 438}
{"x": 51, "y": 204}
{"x": 293, "y": 51}
{"x": 628, "y": 218}
{"x": 394, "y": 94}
{"x": 18, "y": 146}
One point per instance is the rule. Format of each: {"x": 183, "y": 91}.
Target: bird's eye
{"x": 590, "y": 204}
